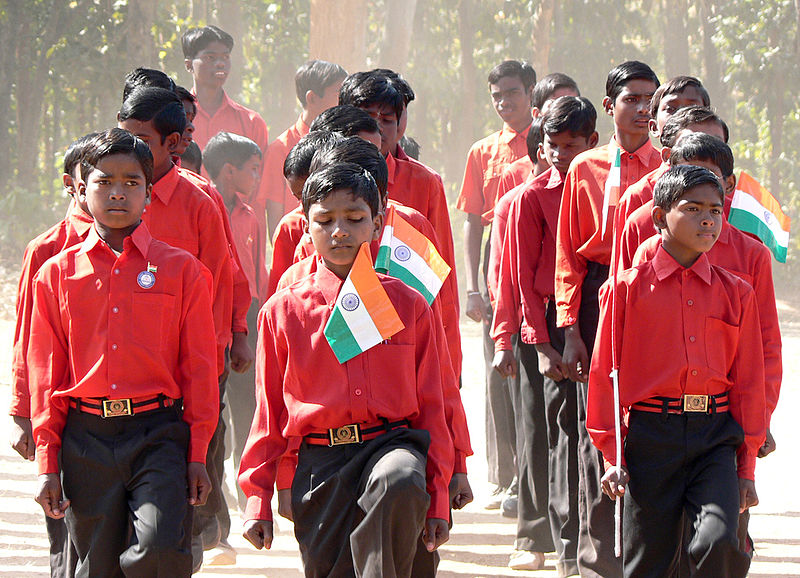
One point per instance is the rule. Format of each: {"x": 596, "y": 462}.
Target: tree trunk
{"x": 542, "y": 24}
{"x": 676, "y": 46}
{"x": 712, "y": 78}
{"x": 138, "y": 37}
{"x": 338, "y": 32}
{"x": 6, "y": 78}
{"x": 229, "y": 15}
{"x": 397, "y": 28}
{"x": 464, "y": 125}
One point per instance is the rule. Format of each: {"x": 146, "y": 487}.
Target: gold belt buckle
{"x": 347, "y": 434}
{"x": 117, "y": 407}
{"x": 695, "y": 403}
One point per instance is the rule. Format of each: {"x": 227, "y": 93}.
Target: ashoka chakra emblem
{"x": 350, "y": 302}
{"x": 402, "y": 253}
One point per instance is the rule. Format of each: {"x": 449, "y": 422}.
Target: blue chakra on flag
{"x": 350, "y": 302}
{"x": 402, "y": 253}
{"x": 146, "y": 279}
{"x": 768, "y": 218}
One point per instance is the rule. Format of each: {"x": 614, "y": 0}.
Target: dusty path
{"x": 480, "y": 541}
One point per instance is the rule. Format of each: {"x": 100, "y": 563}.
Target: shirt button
{"x": 358, "y": 392}
{"x": 630, "y": 157}
{"x": 692, "y": 339}
{"x": 113, "y": 386}
{"x": 115, "y": 309}
{"x": 690, "y": 302}
{"x": 114, "y": 346}
{"x": 694, "y": 372}
{"x": 116, "y": 271}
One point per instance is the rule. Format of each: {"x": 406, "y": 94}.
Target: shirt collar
{"x": 166, "y": 185}
{"x": 80, "y": 222}
{"x": 508, "y": 134}
{"x": 665, "y": 265}
{"x": 643, "y": 153}
{"x": 328, "y": 282}
{"x": 391, "y": 164}
{"x": 555, "y": 180}
{"x": 226, "y": 103}
{"x": 301, "y": 127}
{"x": 401, "y": 154}
{"x": 140, "y": 238}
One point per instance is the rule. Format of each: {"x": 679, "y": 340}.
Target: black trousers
{"x": 596, "y": 536}
{"x": 533, "y": 524}
{"x": 359, "y": 510}
{"x": 63, "y": 557}
{"x": 682, "y": 463}
{"x": 125, "y": 471}
{"x": 561, "y": 413}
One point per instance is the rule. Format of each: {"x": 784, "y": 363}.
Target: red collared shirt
{"x": 276, "y": 188}
{"x": 250, "y": 247}
{"x": 71, "y": 231}
{"x": 395, "y": 380}
{"x": 679, "y": 331}
{"x": 183, "y": 215}
{"x": 580, "y": 237}
{"x": 748, "y": 259}
{"x": 415, "y": 185}
{"x": 485, "y": 163}
{"x": 97, "y": 331}
{"x": 285, "y": 239}
{"x": 527, "y": 264}
{"x": 516, "y": 173}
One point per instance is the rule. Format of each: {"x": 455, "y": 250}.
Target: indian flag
{"x": 363, "y": 315}
{"x": 754, "y": 210}
{"x": 410, "y": 256}
{"x": 611, "y": 193}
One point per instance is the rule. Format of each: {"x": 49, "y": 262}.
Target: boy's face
{"x": 387, "y": 123}
{"x": 162, "y": 151}
{"x": 511, "y": 101}
{"x": 671, "y": 103}
{"x": 210, "y": 67}
{"x": 186, "y": 137}
{"x": 338, "y": 226}
{"x": 245, "y": 179}
{"x": 692, "y": 224}
{"x": 115, "y": 192}
{"x": 560, "y": 148}
{"x": 631, "y": 108}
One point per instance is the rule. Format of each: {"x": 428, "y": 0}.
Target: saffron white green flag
{"x": 410, "y": 256}
{"x": 754, "y": 210}
{"x": 363, "y": 315}
{"x": 611, "y": 193}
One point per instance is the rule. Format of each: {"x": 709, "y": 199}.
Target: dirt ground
{"x": 481, "y": 540}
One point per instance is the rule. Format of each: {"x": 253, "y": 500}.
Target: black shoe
{"x": 509, "y": 506}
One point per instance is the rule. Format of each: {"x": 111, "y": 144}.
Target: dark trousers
{"x": 561, "y": 412}
{"x": 682, "y": 463}
{"x": 240, "y": 401}
{"x": 359, "y": 510}
{"x": 128, "y": 472}
{"x": 596, "y": 536}
{"x": 533, "y": 525}
{"x": 63, "y": 557}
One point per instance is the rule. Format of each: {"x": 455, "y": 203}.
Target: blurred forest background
{"x": 63, "y": 62}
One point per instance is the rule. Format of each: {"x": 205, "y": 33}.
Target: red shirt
{"x": 580, "y": 234}
{"x": 679, "y": 331}
{"x": 233, "y": 117}
{"x": 71, "y": 231}
{"x": 514, "y": 174}
{"x": 748, "y": 259}
{"x": 96, "y": 332}
{"x": 276, "y": 187}
{"x": 285, "y": 239}
{"x": 398, "y": 379}
{"x": 183, "y": 215}
{"x": 527, "y": 264}
{"x": 485, "y": 163}
{"x": 250, "y": 247}
{"x": 414, "y": 185}
{"x": 241, "y": 287}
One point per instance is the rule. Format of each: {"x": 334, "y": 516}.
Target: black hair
{"x": 75, "y": 152}
{"x": 141, "y": 77}
{"x": 298, "y": 161}
{"x": 521, "y": 70}
{"x": 194, "y": 40}
{"x": 703, "y": 147}
{"x": 570, "y": 113}
{"x": 674, "y": 183}
{"x": 687, "y": 116}
{"x": 677, "y": 85}
{"x": 345, "y": 119}
{"x": 363, "y": 89}
{"x": 548, "y": 86}
{"x": 399, "y": 82}
{"x": 354, "y": 150}
{"x": 117, "y": 141}
{"x": 316, "y": 75}
{"x": 192, "y": 156}
{"x": 341, "y": 176}
{"x": 410, "y": 146}
{"x": 184, "y": 94}
{"x": 159, "y": 105}
{"x": 623, "y": 73}
{"x": 534, "y": 139}
{"x": 228, "y": 147}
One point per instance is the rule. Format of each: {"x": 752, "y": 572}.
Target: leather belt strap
{"x": 353, "y": 433}
{"x": 121, "y": 407}
{"x": 688, "y": 403}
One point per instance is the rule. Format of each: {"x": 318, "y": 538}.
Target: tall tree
{"x": 339, "y": 32}
{"x": 542, "y": 24}
{"x": 398, "y": 24}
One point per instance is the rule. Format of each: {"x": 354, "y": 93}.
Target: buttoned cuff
{"x": 20, "y": 405}
{"x": 502, "y": 342}
{"x": 47, "y": 458}
{"x": 440, "y": 505}
{"x": 460, "y": 464}
{"x": 258, "y": 508}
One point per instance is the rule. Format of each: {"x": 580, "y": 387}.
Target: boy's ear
{"x": 608, "y": 106}
{"x": 173, "y": 140}
{"x": 593, "y": 140}
{"x": 81, "y": 189}
{"x": 187, "y": 62}
{"x": 311, "y": 98}
{"x": 665, "y": 154}
{"x": 730, "y": 184}
{"x": 535, "y": 112}
{"x": 540, "y": 156}
{"x": 659, "y": 216}
{"x": 148, "y": 194}
{"x": 652, "y": 125}
{"x": 377, "y": 221}
{"x": 69, "y": 183}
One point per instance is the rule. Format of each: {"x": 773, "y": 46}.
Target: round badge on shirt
{"x": 146, "y": 279}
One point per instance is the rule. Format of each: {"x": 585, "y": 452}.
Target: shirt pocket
{"x": 152, "y": 324}
{"x": 393, "y": 376}
{"x": 721, "y": 340}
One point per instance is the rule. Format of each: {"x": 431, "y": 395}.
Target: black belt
{"x": 687, "y": 403}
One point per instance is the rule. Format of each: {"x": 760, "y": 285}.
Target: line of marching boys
{"x": 133, "y": 309}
